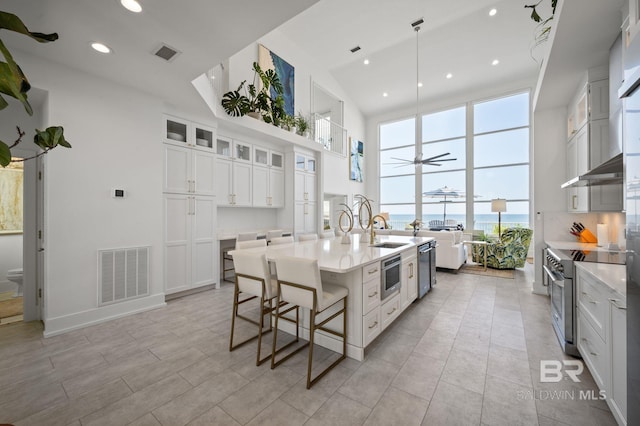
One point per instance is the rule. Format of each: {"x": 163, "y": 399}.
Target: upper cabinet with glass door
{"x": 182, "y": 132}
{"x": 305, "y": 163}
{"x": 233, "y": 148}
{"x": 266, "y": 157}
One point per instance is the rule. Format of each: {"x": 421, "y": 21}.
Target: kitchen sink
{"x": 389, "y": 245}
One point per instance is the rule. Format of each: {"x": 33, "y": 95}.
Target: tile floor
{"x": 467, "y": 354}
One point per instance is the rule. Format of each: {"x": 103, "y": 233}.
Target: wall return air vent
{"x": 166, "y": 52}
{"x": 123, "y": 274}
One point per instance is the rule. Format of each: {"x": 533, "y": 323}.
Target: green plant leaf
{"x": 13, "y": 82}
{"x": 235, "y": 104}
{"x": 5, "y": 154}
{"x": 11, "y": 22}
{"x": 50, "y": 138}
{"x": 3, "y": 103}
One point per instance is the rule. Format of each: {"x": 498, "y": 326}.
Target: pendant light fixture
{"x": 418, "y": 160}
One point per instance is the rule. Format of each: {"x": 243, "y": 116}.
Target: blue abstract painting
{"x": 357, "y": 154}
{"x": 286, "y": 73}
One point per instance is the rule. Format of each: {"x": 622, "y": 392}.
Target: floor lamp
{"x": 499, "y": 205}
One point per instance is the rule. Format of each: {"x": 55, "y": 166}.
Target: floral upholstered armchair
{"x": 508, "y": 253}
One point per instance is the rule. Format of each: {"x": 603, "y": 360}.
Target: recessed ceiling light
{"x": 385, "y": 94}
{"x": 493, "y": 12}
{"x": 449, "y": 76}
{"x": 366, "y": 62}
{"x": 419, "y": 84}
{"x": 102, "y": 48}
{"x": 131, "y": 5}
{"x": 495, "y": 62}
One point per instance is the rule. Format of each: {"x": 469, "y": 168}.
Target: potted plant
{"x": 256, "y": 103}
{"x": 302, "y": 125}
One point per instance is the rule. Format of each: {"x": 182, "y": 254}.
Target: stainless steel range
{"x": 559, "y": 274}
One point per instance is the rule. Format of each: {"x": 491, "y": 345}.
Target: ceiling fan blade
{"x": 402, "y": 159}
{"x": 430, "y": 163}
{"x": 442, "y": 159}
{"x": 436, "y": 156}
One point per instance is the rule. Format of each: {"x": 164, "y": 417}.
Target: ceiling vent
{"x": 165, "y": 52}
{"x": 355, "y": 49}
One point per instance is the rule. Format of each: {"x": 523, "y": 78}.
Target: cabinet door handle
{"x": 193, "y": 210}
{"x": 306, "y": 208}
{"x": 392, "y": 311}
{"x": 373, "y": 271}
{"x": 373, "y": 295}
{"x": 411, "y": 270}
{"x": 574, "y": 200}
{"x": 373, "y": 325}
{"x": 614, "y": 302}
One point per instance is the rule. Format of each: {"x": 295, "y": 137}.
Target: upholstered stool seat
{"x": 300, "y": 284}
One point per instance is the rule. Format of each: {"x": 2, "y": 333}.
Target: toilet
{"x": 15, "y": 276}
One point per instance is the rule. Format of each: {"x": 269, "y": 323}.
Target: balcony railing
{"x": 331, "y": 135}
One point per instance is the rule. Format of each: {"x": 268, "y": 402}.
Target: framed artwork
{"x": 285, "y": 71}
{"x": 11, "y": 181}
{"x": 356, "y": 160}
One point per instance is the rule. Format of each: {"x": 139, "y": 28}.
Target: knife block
{"x": 587, "y": 236}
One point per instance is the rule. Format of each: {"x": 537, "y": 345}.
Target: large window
{"x": 501, "y": 161}
{"x": 397, "y": 178}
{"x": 443, "y": 186}
{"x": 491, "y": 162}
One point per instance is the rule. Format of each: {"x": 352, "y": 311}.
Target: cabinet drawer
{"x": 371, "y": 326}
{"x": 594, "y": 352}
{"x": 592, "y": 300}
{"x": 371, "y": 272}
{"x": 370, "y": 295}
{"x": 389, "y": 310}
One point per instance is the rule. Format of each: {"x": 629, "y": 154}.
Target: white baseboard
{"x": 66, "y": 323}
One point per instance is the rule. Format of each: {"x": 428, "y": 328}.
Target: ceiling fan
{"x": 431, "y": 161}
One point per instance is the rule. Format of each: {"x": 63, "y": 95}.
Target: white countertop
{"x": 615, "y": 276}
{"x": 232, "y": 235}
{"x": 575, "y": 245}
{"x": 333, "y": 256}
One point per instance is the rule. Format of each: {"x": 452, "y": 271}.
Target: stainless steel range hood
{"x": 607, "y": 173}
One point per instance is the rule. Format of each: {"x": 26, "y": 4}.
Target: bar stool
{"x": 308, "y": 237}
{"x": 226, "y": 257}
{"x": 253, "y": 279}
{"x": 276, "y": 233}
{"x": 299, "y": 284}
{"x": 281, "y": 240}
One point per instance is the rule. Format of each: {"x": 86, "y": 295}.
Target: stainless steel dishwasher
{"x": 426, "y": 267}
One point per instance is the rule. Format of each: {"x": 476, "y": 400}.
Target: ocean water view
{"x": 483, "y": 222}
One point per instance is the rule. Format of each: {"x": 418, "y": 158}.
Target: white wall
{"x": 116, "y": 136}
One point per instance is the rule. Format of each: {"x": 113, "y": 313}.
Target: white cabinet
{"x": 182, "y": 132}
{"x": 188, "y": 171}
{"x": 408, "y": 278}
{"x": 371, "y": 321}
{"x": 602, "y": 339}
{"x": 389, "y": 310}
{"x": 233, "y": 180}
{"x": 268, "y": 187}
{"x": 190, "y": 248}
{"x": 578, "y": 163}
{"x": 304, "y": 217}
{"x": 305, "y": 194}
{"x": 618, "y": 387}
{"x": 268, "y": 178}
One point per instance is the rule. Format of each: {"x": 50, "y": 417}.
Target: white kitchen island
{"x": 357, "y": 266}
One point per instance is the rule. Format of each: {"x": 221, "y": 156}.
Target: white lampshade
{"x": 498, "y": 205}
